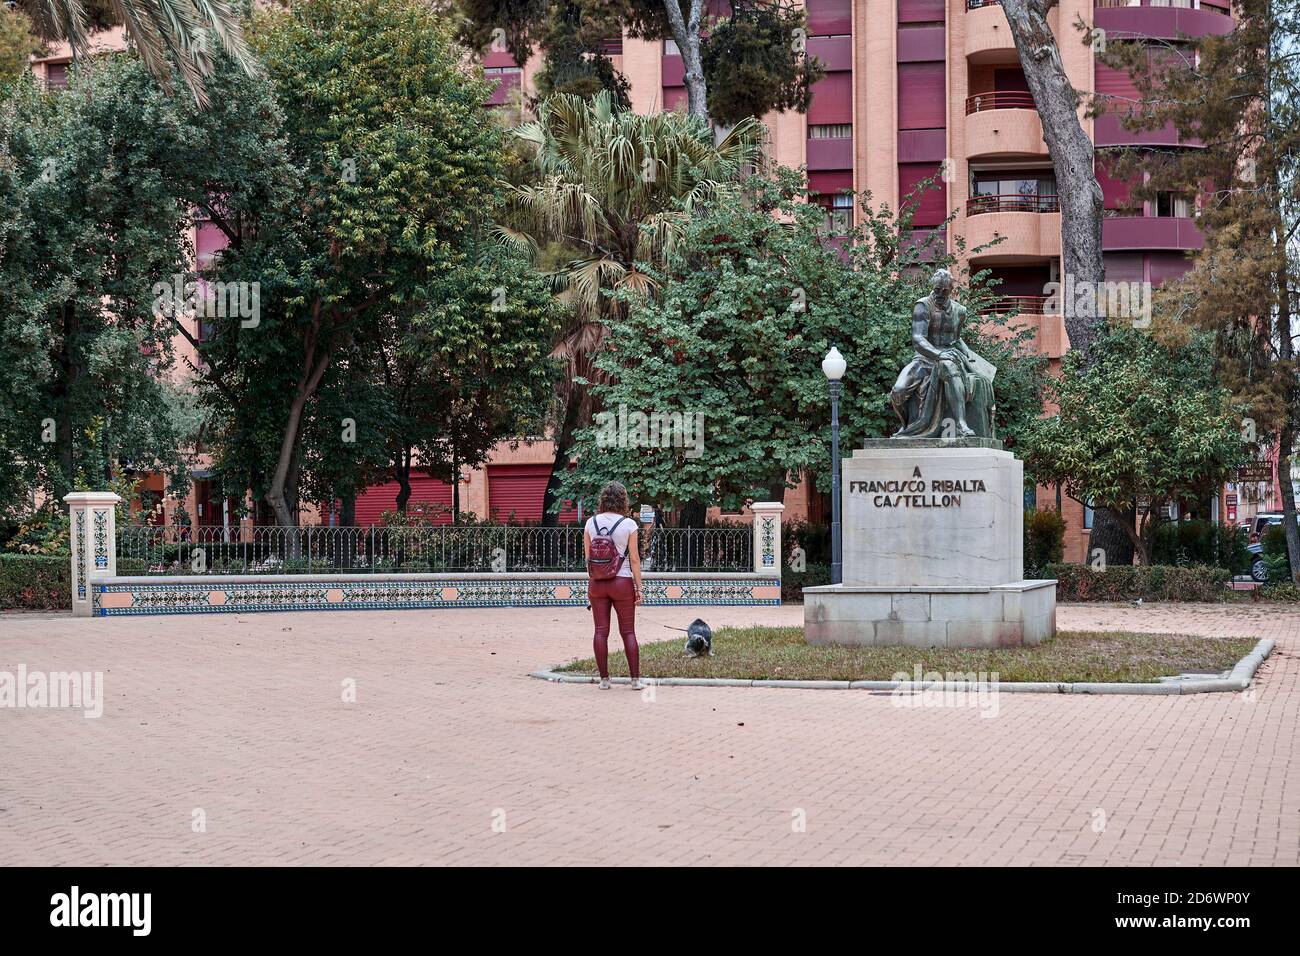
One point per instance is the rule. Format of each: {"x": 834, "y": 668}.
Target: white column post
{"x": 767, "y": 536}
{"x": 94, "y": 544}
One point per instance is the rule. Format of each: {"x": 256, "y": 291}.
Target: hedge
{"x": 1157, "y": 582}
{"x": 793, "y": 582}
{"x": 35, "y": 582}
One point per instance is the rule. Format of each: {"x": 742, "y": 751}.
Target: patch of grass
{"x": 779, "y": 653}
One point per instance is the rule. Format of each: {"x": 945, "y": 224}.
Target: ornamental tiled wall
{"x": 210, "y": 594}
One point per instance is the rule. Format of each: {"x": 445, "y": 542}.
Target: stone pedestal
{"x": 933, "y": 551}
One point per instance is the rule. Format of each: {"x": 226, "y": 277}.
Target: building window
{"x": 501, "y": 70}
{"x": 1172, "y": 205}
{"x": 830, "y": 131}
{"x": 56, "y": 76}
{"x": 670, "y": 48}
{"x": 1087, "y": 515}
{"x": 839, "y": 214}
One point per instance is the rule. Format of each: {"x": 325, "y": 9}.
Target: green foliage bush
{"x": 35, "y": 582}
{"x": 1281, "y": 591}
{"x": 1044, "y": 541}
{"x": 1193, "y": 542}
{"x": 793, "y": 582}
{"x": 815, "y": 539}
{"x": 1158, "y": 582}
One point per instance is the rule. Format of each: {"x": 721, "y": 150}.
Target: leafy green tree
{"x": 18, "y": 44}
{"x": 749, "y": 302}
{"x": 90, "y": 224}
{"x": 395, "y": 164}
{"x": 1238, "y": 96}
{"x": 744, "y": 62}
{"x": 1141, "y": 423}
{"x": 615, "y": 191}
{"x": 169, "y": 35}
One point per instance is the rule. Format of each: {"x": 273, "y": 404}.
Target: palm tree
{"x": 166, "y": 33}
{"x": 615, "y": 191}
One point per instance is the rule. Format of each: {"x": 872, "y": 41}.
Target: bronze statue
{"x": 946, "y": 391}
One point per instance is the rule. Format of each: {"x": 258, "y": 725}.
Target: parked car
{"x": 1261, "y": 523}
{"x": 1258, "y": 572}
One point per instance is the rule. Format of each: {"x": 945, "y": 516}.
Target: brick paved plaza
{"x": 242, "y": 717}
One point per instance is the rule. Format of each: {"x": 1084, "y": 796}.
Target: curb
{"x": 1239, "y": 679}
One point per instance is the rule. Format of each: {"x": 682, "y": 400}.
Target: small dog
{"x": 699, "y": 639}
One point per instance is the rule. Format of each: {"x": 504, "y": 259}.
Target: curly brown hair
{"x": 613, "y": 498}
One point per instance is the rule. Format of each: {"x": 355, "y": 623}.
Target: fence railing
{"x": 171, "y": 550}
{"x": 1012, "y": 203}
{"x": 999, "y": 100}
{"x": 1024, "y": 304}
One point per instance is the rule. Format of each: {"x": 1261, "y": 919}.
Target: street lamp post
{"x": 833, "y": 365}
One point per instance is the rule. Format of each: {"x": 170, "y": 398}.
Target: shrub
{"x": 1044, "y": 540}
{"x": 793, "y": 582}
{"x": 35, "y": 582}
{"x": 1277, "y": 566}
{"x": 1193, "y": 542}
{"x": 815, "y": 539}
{"x": 1079, "y": 582}
{"x": 1282, "y": 591}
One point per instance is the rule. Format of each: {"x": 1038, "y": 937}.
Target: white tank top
{"x": 607, "y": 520}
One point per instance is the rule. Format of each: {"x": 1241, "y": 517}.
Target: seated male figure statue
{"x": 946, "y": 391}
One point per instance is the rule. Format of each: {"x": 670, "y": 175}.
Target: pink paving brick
{"x": 242, "y": 717}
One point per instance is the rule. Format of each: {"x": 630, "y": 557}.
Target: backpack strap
{"x": 610, "y": 533}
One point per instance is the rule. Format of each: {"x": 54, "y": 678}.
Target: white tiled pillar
{"x": 94, "y": 544}
{"x": 767, "y": 536}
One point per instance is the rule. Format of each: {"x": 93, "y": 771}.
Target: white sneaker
{"x": 604, "y": 683}
{"x": 636, "y": 684}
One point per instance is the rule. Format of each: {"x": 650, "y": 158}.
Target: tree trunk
{"x": 560, "y": 463}
{"x": 71, "y": 369}
{"x": 686, "y": 34}
{"x": 402, "y": 475}
{"x": 1289, "y": 527}
{"x": 1071, "y": 151}
{"x": 313, "y": 370}
{"x": 1111, "y": 533}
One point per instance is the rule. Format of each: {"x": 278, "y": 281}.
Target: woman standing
{"x": 610, "y": 545}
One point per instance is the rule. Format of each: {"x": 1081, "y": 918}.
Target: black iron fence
{"x": 498, "y": 549}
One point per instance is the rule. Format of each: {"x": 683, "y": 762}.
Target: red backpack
{"x": 603, "y": 557}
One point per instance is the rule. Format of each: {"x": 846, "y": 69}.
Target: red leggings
{"x": 619, "y": 593}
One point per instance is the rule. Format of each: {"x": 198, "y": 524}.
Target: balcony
{"x": 1119, "y": 233}
{"x": 1046, "y": 327}
{"x": 1126, "y": 20}
{"x": 1002, "y": 124}
{"x": 988, "y": 35}
{"x": 1016, "y": 229}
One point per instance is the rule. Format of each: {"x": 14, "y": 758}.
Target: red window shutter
{"x": 1166, "y": 266}
{"x": 1123, "y": 266}
{"x": 375, "y": 500}
{"x": 933, "y": 208}
{"x": 921, "y": 11}
{"x": 922, "y": 98}
{"x": 832, "y": 99}
{"x": 516, "y": 493}
{"x": 830, "y": 17}
{"x": 1116, "y": 84}
{"x": 1114, "y": 191}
